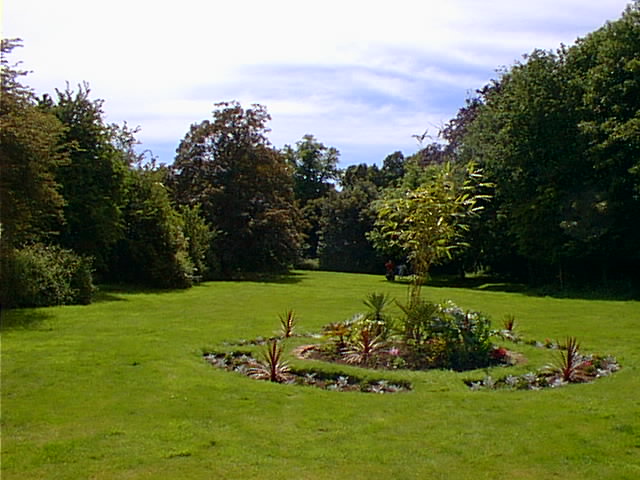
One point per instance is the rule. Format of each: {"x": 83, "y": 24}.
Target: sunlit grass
{"x": 119, "y": 389}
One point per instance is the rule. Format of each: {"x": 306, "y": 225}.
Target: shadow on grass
{"x": 285, "y": 278}
{"x": 489, "y": 284}
{"x": 109, "y": 294}
{"x": 27, "y": 318}
{"x": 115, "y": 292}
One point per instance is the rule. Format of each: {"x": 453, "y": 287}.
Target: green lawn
{"x": 119, "y": 389}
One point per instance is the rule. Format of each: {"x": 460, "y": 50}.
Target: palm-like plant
{"x": 570, "y": 363}
{"x": 509, "y": 322}
{"x": 272, "y": 365}
{"x": 365, "y": 347}
{"x": 288, "y": 322}
{"x": 377, "y": 303}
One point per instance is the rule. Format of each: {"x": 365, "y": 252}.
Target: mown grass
{"x": 119, "y": 389}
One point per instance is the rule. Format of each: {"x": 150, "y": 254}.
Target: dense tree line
{"x": 558, "y": 134}
{"x": 537, "y": 177}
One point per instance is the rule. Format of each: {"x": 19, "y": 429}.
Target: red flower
{"x": 499, "y": 353}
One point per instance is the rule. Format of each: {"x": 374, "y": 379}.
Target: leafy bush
{"x": 428, "y": 335}
{"x": 415, "y": 328}
{"x": 199, "y": 238}
{"x": 307, "y": 264}
{"x": 154, "y": 251}
{"x": 39, "y": 275}
{"x": 444, "y": 335}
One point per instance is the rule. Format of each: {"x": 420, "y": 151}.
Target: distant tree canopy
{"x": 315, "y": 168}
{"x": 315, "y": 171}
{"x": 346, "y": 218}
{"x": 244, "y": 187}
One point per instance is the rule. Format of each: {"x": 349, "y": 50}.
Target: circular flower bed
{"x": 426, "y": 336}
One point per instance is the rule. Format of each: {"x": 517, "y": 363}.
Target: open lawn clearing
{"x": 119, "y": 389}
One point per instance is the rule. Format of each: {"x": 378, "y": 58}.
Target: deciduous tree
{"x": 244, "y": 186}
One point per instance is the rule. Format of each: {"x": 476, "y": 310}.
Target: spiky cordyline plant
{"x": 509, "y": 322}
{"x": 288, "y": 322}
{"x": 365, "y": 347}
{"x": 570, "y": 362}
{"x": 271, "y": 366}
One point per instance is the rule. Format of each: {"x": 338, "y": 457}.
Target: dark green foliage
{"x": 30, "y": 199}
{"x": 314, "y": 168}
{"x": 356, "y": 175}
{"x": 558, "y": 135}
{"x": 39, "y": 275}
{"x": 415, "y": 325}
{"x": 199, "y": 238}
{"x": 244, "y": 187}
{"x": 154, "y": 251}
{"x": 604, "y": 221}
{"x": 393, "y": 168}
{"x": 93, "y": 181}
{"x": 445, "y": 336}
{"x": 346, "y": 219}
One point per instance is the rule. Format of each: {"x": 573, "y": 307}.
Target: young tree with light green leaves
{"x": 428, "y": 222}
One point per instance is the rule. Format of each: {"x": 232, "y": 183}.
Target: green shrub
{"x": 39, "y": 275}
{"x": 445, "y": 336}
{"x": 307, "y": 264}
{"x": 154, "y": 251}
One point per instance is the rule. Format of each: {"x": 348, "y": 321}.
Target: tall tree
{"x": 525, "y": 136}
{"x": 315, "y": 170}
{"x": 345, "y": 220}
{"x": 603, "y": 219}
{"x": 93, "y": 181}
{"x": 558, "y": 134}
{"x": 30, "y": 199}
{"x": 244, "y": 187}
{"x": 154, "y": 250}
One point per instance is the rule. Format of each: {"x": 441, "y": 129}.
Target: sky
{"x": 361, "y": 76}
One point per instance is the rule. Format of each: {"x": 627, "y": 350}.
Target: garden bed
{"x": 245, "y": 364}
